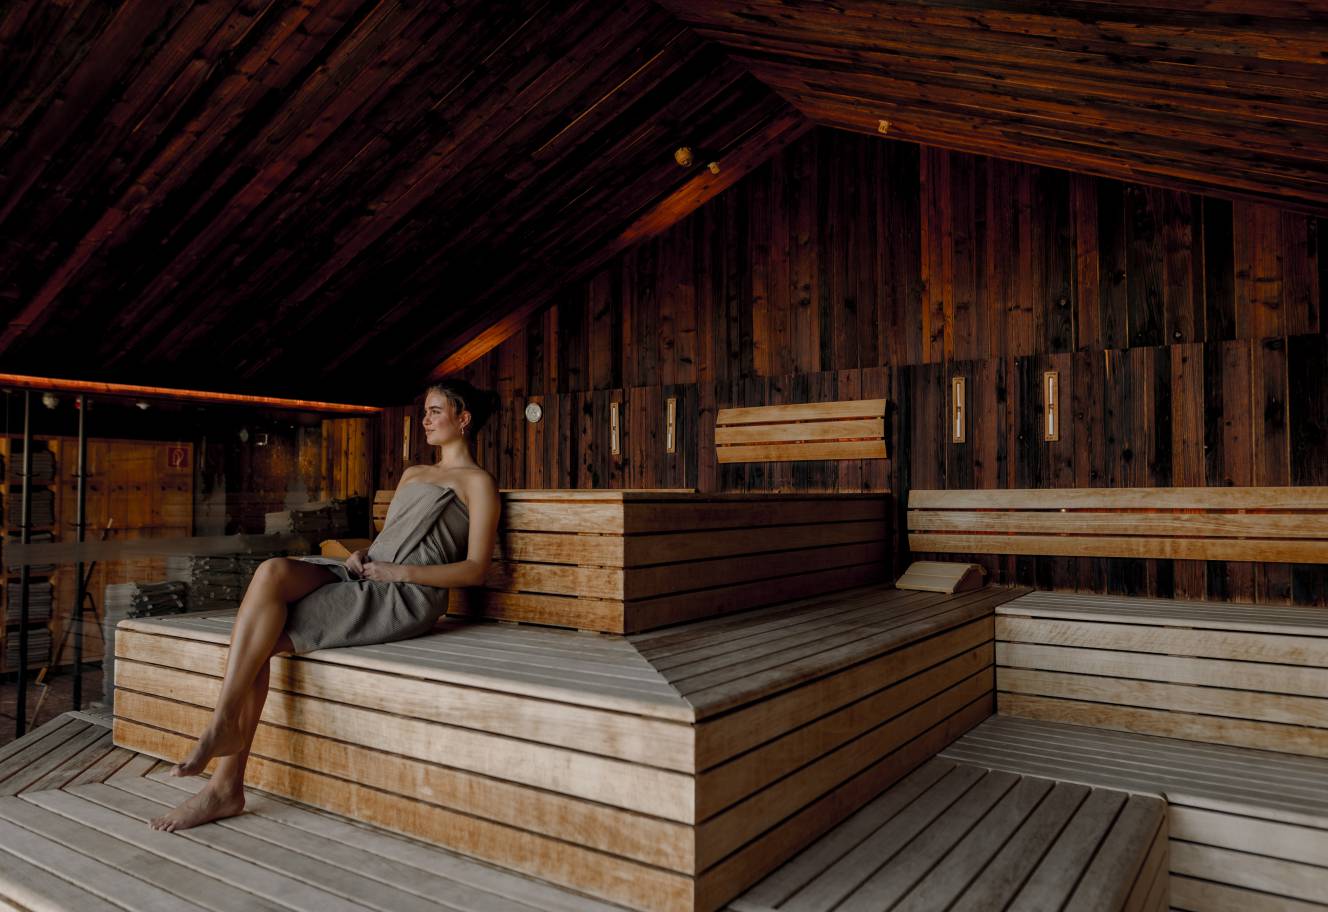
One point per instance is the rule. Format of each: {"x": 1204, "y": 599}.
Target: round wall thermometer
{"x": 533, "y": 412}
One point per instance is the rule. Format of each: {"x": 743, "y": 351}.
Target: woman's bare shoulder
{"x": 480, "y": 484}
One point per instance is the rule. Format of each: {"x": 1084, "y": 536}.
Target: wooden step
{"x": 1248, "y": 828}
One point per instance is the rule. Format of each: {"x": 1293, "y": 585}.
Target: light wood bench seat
{"x": 664, "y": 770}
{"x": 960, "y": 837}
{"x": 627, "y": 561}
{"x": 1248, "y": 829}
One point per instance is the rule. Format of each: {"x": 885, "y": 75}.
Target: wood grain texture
{"x": 1247, "y": 829}
{"x": 475, "y": 738}
{"x": 1077, "y": 87}
{"x": 197, "y": 186}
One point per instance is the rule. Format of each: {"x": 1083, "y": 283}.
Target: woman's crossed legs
{"x": 258, "y": 635}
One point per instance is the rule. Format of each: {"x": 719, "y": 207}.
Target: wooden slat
{"x": 1101, "y": 523}
{"x": 810, "y": 411}
{"x": 798, "y": 431}
{"x": 1172, "y": 612}
{"x": 1253, "y": 676}
{"x": 1217, "y": 701}
{"x": 1168, "y": 723}
{"x": 1274, "y": 550}
{"x": 1230, "y": 498}
{"x": 846, "y": 449}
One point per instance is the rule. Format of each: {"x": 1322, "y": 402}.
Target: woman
{"x": 439, "y": 533}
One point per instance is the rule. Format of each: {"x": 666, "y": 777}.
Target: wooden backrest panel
{"x": 628, "y": 560}
{"x": 1277, "y": 524}
{"x": 815, "y": 430}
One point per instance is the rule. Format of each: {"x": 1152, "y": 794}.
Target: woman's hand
{"x": 355, "y": 563}
{"x": 384, "y": 572}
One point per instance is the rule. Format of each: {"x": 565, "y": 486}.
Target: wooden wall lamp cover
{"x": 814, "y": 430}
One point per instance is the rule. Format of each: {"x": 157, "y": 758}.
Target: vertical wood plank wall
{"x": 1188, "y": 332}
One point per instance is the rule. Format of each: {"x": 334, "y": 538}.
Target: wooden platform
{"x": 948, "y": 833}
{"x": 629, "y": 561}
{"x": 667, "y": 770}
{"x": 76, "y": 838}
{"x": 1248, "y": 828}
{"x": 959, "y": 837}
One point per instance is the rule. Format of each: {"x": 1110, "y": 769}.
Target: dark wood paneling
{"x": 330, "y": 198}
{"x": 1021, "y": 270}
{"x": 1217, "y": 97}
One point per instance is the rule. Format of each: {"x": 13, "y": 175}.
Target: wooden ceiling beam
{"x": 1224, "y": 98}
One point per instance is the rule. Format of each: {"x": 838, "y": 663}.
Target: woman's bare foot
{"x": 222, "y": 736}
{"x": 209, "y": 804}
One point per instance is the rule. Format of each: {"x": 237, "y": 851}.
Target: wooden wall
{"x": 1188, "y": 330}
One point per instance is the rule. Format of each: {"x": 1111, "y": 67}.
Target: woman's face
{"x": 440, "y": 423}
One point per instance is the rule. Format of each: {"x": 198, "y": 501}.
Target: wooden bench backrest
{"x": 815, "y": 430}
{"x": 1277, "y": 524}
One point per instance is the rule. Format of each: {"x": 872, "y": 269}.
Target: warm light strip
{"x": 161, "y": 392}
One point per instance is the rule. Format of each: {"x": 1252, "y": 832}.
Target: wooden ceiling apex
{"x": 1227, "y": 98}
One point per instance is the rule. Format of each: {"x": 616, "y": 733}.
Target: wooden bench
{"x": 626, "y": 561}
{"x": 961, "y": 837}
{"x": 1276, "y": 524}
{"x": 1222, "y": 708}
{"x": 667, "y": 770}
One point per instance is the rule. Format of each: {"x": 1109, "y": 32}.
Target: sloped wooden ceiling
{"x": 1222, "y": 96}
{"x": 326, "y": 198}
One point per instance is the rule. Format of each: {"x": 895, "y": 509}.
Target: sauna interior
{"x": 898, "y": 478}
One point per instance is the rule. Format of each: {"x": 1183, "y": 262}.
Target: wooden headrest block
{"x": 940, "y": 576}
{"x": 814, "y": 430}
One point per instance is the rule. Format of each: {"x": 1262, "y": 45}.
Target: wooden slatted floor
{"x": 958, "y": 837}
{"x": 73, "y": 836}
{"x": 1248, "y": 828}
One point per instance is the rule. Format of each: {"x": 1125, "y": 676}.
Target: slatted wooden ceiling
{"x": 338, "y": 198}
{"x": 327, "y": 197}
{"x": 1217, "y": 95}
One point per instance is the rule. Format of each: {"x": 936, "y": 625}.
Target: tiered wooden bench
{"x": 1226, "y": 705}
{"x": 667, "y": 770}
{"x": 629, "y": 561}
